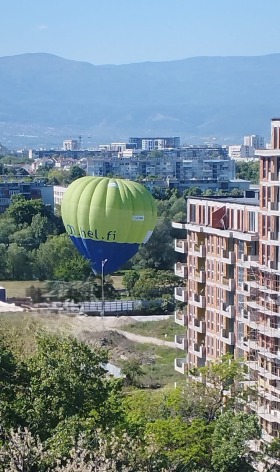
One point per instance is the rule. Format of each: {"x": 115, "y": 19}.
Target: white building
{"x": 254, "y": 140}
{"x": 241, "y": 151}
{"x": 70, "y": 145}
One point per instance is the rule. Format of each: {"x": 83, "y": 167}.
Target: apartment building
{"x": 254, "y": 140}
{"x": 149, "y": 144}
{"x": 230, "y": 257}
{"x": 163, "y": 167}
{"x": 30, "y": 190}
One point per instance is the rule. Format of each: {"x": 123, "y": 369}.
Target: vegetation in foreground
{"x": 61, "y": 412}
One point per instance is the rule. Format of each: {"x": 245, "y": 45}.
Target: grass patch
{"x": 19, "y": 333}
{"x": 161, "y": 370}
{"x": 162, "y": 329}
{"x": 16, "y": 288}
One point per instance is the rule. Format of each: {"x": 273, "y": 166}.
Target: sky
{"x": 128, "y": 31}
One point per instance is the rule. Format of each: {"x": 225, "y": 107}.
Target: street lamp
{"x": 102, "y": 287}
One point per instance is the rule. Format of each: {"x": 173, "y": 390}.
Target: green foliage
{"x": 57, "y": 258}
{"x": 149, "y": 284}
{"x": 231, "y": 450}
{"x": 79, "y": 291}
{"x": 66, "y": 379}
{"x": 22, "y": 210}
{"x": 68, "y": 415}
{"x": 248, "y": 171}
{"x": 158, "y": 252}
{"x": 132, "y": 370}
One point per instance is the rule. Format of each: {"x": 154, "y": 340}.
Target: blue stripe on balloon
{"x": 115, "y": 254}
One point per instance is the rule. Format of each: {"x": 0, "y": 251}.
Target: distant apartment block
{"x": 229, "y": 256}
{"x": 163, "y": 167}
{"x": 241, "y": 151}
{"x": 71, "y": 145}
{"x": 150, "y": 144}
{"x": 255, "y": 141}
{"x": 30, "y": 190}
{"x": 58, "y": 192}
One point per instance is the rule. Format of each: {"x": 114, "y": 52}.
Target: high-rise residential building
{"x": 254, "y": 140}
{"x": 71, "y": 145}
{"x": 230, "y": 258}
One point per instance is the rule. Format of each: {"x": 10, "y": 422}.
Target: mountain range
{"x": 196, "y": 98}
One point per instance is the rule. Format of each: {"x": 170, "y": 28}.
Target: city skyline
{"x": 124, "y": 32}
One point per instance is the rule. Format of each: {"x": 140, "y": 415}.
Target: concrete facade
{"x": 230, "y": 258}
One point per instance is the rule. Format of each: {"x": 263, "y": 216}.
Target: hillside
{"x": 225, "y": 97}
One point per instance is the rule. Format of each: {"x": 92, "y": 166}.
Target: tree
{"x": 76, "y": 172}
{"x": 192, "y": 192}
{"x": 22, "y": 210}
{"x": 248, "y": 171}
{"x": 132, "y": 370}
{"x": 58, "y": 258}
{"x": 231, "y": 448}
{"x": 149, "y": 284}
{"x": 7, "y": 229}
{"x": 66, "y": 379}
{"x": 158, "y": 252}
{"x": 18, "y": 263}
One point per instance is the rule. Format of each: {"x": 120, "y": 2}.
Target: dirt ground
{"x": 108, "y": 332}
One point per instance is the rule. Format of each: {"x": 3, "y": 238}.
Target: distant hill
{"x": 191, "y": 98}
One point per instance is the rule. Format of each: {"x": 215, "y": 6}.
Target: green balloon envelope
{"x": 108, "y": 219}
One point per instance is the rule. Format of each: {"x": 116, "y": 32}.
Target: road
{"x": 145, "y": 339}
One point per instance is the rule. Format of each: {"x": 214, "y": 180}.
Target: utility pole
{"x": 102, "y": 288}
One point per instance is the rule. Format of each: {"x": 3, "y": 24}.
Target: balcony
{"x": 228, "y": 284}
{"x": 181, "y": 318}
{"x": 198, "y": 250}
{"x": 198, "y": 300}
{"x": 228, "y": 257}
{"x": 181, "y": 246}
{"x": 199, "y": 276}
{"x": 181, "y": 294}
{"x": 228, "y": 310}
{"x": 178, "y": 225}
{"x": 181, "y": 270}
{"x": 199, "y": 350}
{"x": 180, "y": 365}
{"x": 180, "y": 342}
{"x": 198, "y": 325}
{"x": 227, "y": 337}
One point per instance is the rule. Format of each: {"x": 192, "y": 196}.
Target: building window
{"x": 251, "y": 222}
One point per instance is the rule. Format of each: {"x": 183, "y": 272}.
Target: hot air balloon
{"x": 108, "y": 219}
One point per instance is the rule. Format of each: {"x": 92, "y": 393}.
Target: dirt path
{"x": 145, "y": 339}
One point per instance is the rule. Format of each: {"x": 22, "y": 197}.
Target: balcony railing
{"x": 198, "y": 250}
{"x": 198, "y": 325}
{"x": 180, "y": 342}
{"x": 228, "y": 257}
{"x": 227, "y": 337}
{"x": 181, "y": 246}
{"x": 229, "y": 284}
{"x": 181, "y": 318}
{"x": 198, "y": 300}
{"x": 180, "y": 365}
{"x": 228, "y": 310}
{"x": 199, "y": 276}
{"x": 181, "y": 294}
{"x": 181, "y": 270}
{"x": 198, "y": 350}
